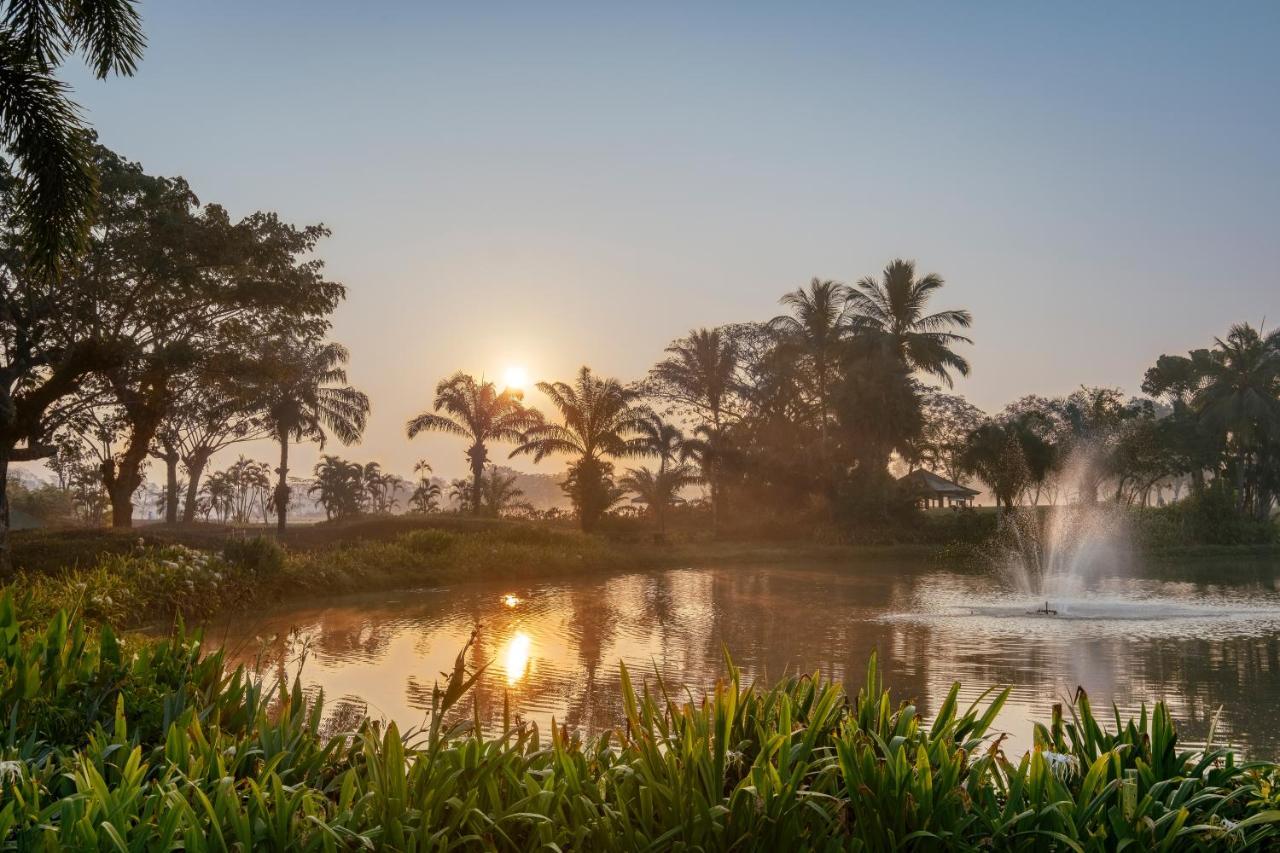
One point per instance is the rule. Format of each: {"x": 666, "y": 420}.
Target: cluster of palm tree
{"x": 344, "y": 488}
{"x": 238, "y": 494}
{"x": 812, "y": 402}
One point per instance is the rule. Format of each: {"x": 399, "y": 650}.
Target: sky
{"x": 549, "y": 185}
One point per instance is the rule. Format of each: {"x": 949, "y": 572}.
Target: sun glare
{"x": 515, "y": 658}
{"x": 516, "y": 378}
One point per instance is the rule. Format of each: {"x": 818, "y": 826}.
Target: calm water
{"x": 1201, "y": 638}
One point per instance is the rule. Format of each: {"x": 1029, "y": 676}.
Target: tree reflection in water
{"x": 552, "y": 649}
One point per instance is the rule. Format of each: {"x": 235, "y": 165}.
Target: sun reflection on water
{"x": 515, "y": 657}
{"x": 510, "y": 600}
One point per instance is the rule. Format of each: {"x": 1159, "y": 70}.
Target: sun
{"x": 516, "y": 378}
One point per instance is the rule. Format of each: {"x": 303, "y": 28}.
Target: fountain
{"x": 1057, "y": 552}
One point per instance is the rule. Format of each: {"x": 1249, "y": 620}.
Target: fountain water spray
{"x": 1056, "y": 551}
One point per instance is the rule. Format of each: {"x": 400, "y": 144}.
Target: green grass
{"x": 154, "y": 745}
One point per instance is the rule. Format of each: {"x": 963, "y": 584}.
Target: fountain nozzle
{"x": 1045, "y": 611}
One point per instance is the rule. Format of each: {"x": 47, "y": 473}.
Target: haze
{"x": 542, "y": 187}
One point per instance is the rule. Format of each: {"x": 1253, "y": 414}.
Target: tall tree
{"x": 480, "y": 412}
{"x": 1009, "y": 456}
{"x": 209, "y": 412}
{"x": 599, "y": 418}
{"x": 895, "y": 305}
{"x": 49, "y": 354}
{"x": 946, "y": 420}
{"x": 303, "y": 392}
{"x": 171, "y": 283}
{"x": 1241, "y": 398}
{"x": 41, "y": 127}
{"x": 699, "y": 376}
{"x": 813, "y": 332}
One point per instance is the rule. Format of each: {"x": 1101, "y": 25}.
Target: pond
{"x": 1200, "y": 637}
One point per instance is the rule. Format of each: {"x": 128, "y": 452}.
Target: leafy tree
{"x": 174, "y": 283}
{"x": 878, "y": 410}
{"x": 895, "y": 306}
{"x": 209, "y": 412}
{"x": 1095, "y": 420}
{"x": 300, "y": 384}
{"x": 479, "y": 412}
{"x": 41, "y": 127}
{"x": 599, "y": 418}
{"x": 426, "y": 494}
{"x": 241, "y": 491}
{"x": 48, "y": 353}
{"x": 1009, "y": 456}
{"x": 947, "y": 420}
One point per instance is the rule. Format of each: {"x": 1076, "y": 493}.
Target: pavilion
{"x": 929, "y": 487}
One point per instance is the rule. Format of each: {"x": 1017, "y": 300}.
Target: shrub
{"x": 258, "y": 556}
{"x": 429, "y": 541}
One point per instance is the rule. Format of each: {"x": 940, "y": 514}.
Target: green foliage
{"x": 1210, "y": 517}
{"x": 259, "y": 556}
{"x": 146, "y": 583}
{"x": 155, "y": 745}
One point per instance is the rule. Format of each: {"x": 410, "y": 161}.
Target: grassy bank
{"x": 153, "y": 744}
{"x": 155, "y": 573}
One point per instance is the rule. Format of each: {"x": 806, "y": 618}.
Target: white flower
{"x": 1064, "y": 767}
{"x": 11, "y": 771}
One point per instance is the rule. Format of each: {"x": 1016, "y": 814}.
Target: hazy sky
{"x": 552, "y": 185}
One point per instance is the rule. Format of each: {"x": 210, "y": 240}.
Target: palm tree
{"x": 894, "y": 306}
{"x": 41, "y": 127}
{"x": 708, "y": 450}
{"x": 658, "y": 490}
{"x": 425, "y": 497}
{"x": 659, "y": 438}
{"x": 478, "y": 411}
{"x": 1241, "y": 399}
{"x": 599, "y": 418}
{"x": 338, "y": 486}
{"x": 698, "y": 373}
{"x": 462, "y": 493}
{"x": 814, "y": 330}
{"x": 501, "y": 493}
{"x": 304, "y": 395}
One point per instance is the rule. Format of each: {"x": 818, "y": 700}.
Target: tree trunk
{"x": 477, "y": 487}
{"x": 195, "y": 470}
{"x": 171, "y": 488}
{"x": 6, "y": 555}
{"x": 282, "y": 485}
{"x": 120, "y": 484}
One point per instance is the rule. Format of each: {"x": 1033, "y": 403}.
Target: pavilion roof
{"x": 923, "y": 481}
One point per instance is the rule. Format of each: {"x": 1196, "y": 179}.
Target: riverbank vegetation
{"x": 154, "y": 743}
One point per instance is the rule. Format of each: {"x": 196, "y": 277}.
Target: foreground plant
{"x": 154, "y": 745}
